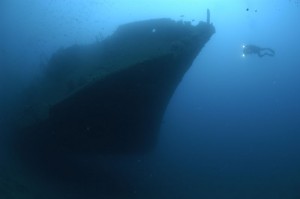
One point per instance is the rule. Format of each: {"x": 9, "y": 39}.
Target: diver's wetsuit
{"x": 261, "y": 52}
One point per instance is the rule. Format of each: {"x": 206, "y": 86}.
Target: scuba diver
{"x": 261, "y": 52}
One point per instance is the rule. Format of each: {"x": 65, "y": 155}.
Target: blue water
{"x": 231, "y": 130}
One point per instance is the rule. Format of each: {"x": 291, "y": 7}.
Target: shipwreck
{"x": 110, "y": 97}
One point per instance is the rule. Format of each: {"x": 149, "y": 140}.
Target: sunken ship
{"x": 110, "y": 97}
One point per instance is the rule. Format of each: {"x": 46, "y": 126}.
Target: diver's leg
{"x": 268, "y": 51}
{"x": 267, "y": 54}
{"x": 260, "y": 54}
